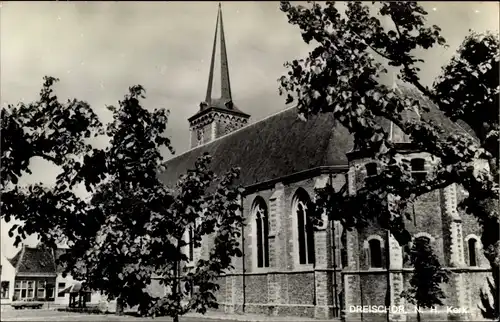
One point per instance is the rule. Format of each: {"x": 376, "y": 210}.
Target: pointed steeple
{"x": 225, "y": 86}
{"x": 218, "y": 115}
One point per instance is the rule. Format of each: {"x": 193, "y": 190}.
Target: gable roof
{"x": 282, "y": 145}
{"x": 272, "y": 148}
{"x": 4, "y": 262}
{"x": 14, "y": 260}
{"x": 434, "y": 114}
{"x": 36, "y": 260}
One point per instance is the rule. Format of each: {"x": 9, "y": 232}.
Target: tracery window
{"x": 305, "y": 228}
{"x": 261, "y": 227}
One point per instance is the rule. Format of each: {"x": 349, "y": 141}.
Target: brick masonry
{"x": 287, "y": 288}
{"x": 434, "y": 215}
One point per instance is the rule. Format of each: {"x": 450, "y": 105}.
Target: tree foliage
{"x": 143, "y": 223}
{"x": 59, "y": 133}
{"x": 110, "y": 252}
{"x": 211, "y": 207}
{"x": 425, "y": 283}
{"x": 132, "y": 228}
{"x": 489, "y": 302}
{"x": 341, "y": 75}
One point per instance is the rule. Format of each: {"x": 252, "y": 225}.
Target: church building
{"x": 289, "y": 268}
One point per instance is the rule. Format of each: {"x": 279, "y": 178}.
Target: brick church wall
{"x": 283, "y": 288}
{"x": 289, "y": 289}
{"x": 435, "y": 215}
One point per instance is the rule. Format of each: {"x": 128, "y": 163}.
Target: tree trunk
{"x": 175, "y": 288}
{"x": 493, "y": 256}
{"x": 418, "y": 314}
{"x": 491, "y": 250}
{"x": 119, "y": 306}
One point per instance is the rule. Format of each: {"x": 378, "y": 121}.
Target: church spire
{"x": 225, "y": 87}
{"x": 218, "y": 115}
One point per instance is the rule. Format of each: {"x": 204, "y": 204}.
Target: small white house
{"x": 8, "y": 275}
{"x": 65, "y": 284}
{"x": 62, "y": 284}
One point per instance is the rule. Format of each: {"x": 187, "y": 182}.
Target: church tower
{"x": 218, "y": 115}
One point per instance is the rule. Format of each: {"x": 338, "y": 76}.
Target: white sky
{"x": 99, "y": 49}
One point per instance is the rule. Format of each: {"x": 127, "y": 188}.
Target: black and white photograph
{"x": 207, "y": 161}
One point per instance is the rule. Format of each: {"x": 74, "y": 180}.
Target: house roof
{"x": 5, "y": 261}
{"x": 36, "y": 260}
{"x": 274, "y": 147}
{"x": 15, "y": 259}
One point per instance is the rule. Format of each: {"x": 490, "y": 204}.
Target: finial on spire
{"x": 225, "y": 94}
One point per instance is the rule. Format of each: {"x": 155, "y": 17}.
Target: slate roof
{"x": 14, "y": 259}
{"x": 275, "y": 147}
{"x": 435, "y": 114}
{"x": 36, "y": 260}
{"x": 282, "y": 144}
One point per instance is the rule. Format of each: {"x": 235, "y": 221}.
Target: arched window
{"x": 418, "y": 168}
{"x": 191, "y": 243}
{"x": 187, "y": 288}
{"x": 305, "y": 228}
{"x": 472, "y": 244}
{"x": 371, "y": 169}
{"x": 422, "y": 241}
{"x": 343, "y": 251}
{"x": 261, "y": 232}
{"x": 424, "y": 236}
{"x": 375, "y": 249}
{"x": 189, "y": 248}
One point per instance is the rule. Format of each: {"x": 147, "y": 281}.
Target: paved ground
{"x": 52, "y": 315}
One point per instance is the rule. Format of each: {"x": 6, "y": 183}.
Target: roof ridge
{"x": 230, "y": 133}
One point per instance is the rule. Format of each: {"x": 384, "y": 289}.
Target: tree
{"x": 107, "y": 235}
{"x": 59, "y": 133}
{"x": 134, "y": 226}
{"x": 340, "y": 76}
{"x": 213, "y": 214}
{"x": 425, "y": 290}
